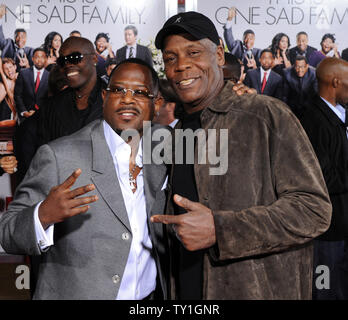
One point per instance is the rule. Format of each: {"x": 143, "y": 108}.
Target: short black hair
{"x": 328, "y": 36}
{"x": 102, "y": 35}
{"x": 302, "y": 33}
{"x": 18, "y": 31}
{"x": 154, "y": 75}
{"x": 40, "y": 49}
{"x": 133, "y": 28}
{"x": 300, "y": 57}
{"x": 75, "y": 31}
{"x": 267, "y": 50}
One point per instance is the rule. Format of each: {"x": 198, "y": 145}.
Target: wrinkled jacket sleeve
{"x": 17, "y": 229}
{"x": 301, "y": 212}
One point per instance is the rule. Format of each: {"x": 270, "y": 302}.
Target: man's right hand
{"x": 232, "y": 12}
{"x": 28, "y": 114}
{"x": 62, "y": 203}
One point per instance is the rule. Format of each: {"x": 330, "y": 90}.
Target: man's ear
{"x": 220, "y": 54}
{"x": 336, "y": 82}
{"x": 158, "y": 103}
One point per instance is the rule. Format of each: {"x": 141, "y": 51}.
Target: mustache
{"x": 128, "y": 109}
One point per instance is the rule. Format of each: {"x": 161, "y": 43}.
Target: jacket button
{"x": 125, "y": 236}
{"x": 116, "y": 279}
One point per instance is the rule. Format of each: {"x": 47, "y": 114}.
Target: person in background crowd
{"x": 232, "y": 68}
{"x": 325, "y": 121}
{"x": 302, "y": 48}
{"x": 166, "y": 114}
{"x": 15, "y": 49}
{"x": 345, "y": 54}
{"x": 31, "y": 90}
{"x": 52, "y": 44}
{"x": 236, "y": 232}
{"x": 75, "y": 33}
{"x": 299, "y": 85}
{"x": 263, "y": 79}
{"x": 9, "y": 75}
{"x": 80, "y": 103}
{"x": 104, "y": 51}
{"x": 280, "y": 48}
{"x": 243, "y": 50}
{"x": 110, "y": 65}
{"x": 328, "y": 49}
{"x": 132, "y": 49}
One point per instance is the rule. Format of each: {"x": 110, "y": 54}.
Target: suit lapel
{"x": 105, "y": 178}
{"x": 32, "y": 80}
{"x": 258, "y": 74}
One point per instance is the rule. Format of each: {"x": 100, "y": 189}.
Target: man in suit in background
{"x": 263, "y": 79}
{"x": 132, "y": 49}
{"x": 243, "y": 50}
{"x": 15, "y": 49}
{"x": 302, "y": 48}
{"x": 299, "y": 84}
{"x": 31, "y": 88}
{"x": 325, "y": 123}
{"x": 99, "y": 246}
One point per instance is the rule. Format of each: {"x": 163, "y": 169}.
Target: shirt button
{"x": 116, "y": 279}
{"x": 125, "y": 236}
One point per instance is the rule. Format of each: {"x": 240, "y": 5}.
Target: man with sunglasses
{"x": 99, "y": 246}
{"x": 81, "y": 102}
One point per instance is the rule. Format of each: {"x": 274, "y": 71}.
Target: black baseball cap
{"x": 194, "y": 23}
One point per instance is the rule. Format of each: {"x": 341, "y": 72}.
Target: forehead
{"x": 101, "y": 39}
{"x": 7, "y": 65}
{"x": 129, "y": 31}
{"x": 249, "y": 36}
{"x": 21, "y": 34}
{"x": 267, "y": 55}
{"x": 300, "y": 63}
{"x": 74, "y": 46}
{"x": 177, "y": 42}
{"x": 302, "y": 37}
{"x": 39, "y": 53}
{"x": 132, "y": 74}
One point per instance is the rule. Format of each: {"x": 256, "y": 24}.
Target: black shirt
{"x": 190, "y": 264}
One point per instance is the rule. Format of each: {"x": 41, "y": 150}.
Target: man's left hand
{"x": 195, "y": 229}
{"x": 240, "y": 88}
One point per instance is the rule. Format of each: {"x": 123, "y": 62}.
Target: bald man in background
{"x": 325, "y": 123}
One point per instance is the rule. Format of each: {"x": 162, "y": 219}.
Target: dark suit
{"x": 237, "y": 48}
{"x": 273, "y": 86}
{"x": 90, "y": 251}
{"x": 296, "y": 92}
{"x": 25, "y": 96}
{"x": 142, "y": 53}
{"x": 345, "y": 54}
{"x": 327, "y": 134}
{"x": 296, "y": 51}
{"x": 10, "y": 49}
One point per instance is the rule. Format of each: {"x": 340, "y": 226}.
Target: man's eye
{"x": 140, "y": 93}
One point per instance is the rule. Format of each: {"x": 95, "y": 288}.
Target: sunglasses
{"x": 72, "y": 58}
{"x": 137, "y": 93}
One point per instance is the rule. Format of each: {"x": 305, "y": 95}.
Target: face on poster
{"x": 269, "y": 17}
{"x": 90, "y": 17}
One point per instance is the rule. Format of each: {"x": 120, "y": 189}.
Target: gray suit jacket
{"x": 90, "y": 250}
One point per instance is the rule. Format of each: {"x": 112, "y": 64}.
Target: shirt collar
{"x": 338, "y": 110}
{"x": 118, "y": 147}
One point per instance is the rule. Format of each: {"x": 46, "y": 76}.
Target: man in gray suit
{"x": 132, "y": 49}
{"x": 99, "y": 246}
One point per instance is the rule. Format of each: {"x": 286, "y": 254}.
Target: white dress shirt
{"x": 35, "y": 74}
{"x": 262, "y": 73}
{"x": 134, "y": 51}
{"x": 139, "y": 277}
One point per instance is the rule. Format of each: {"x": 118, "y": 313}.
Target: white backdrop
{"x": 268, "y": 17}
{"x": 39, "y": 17}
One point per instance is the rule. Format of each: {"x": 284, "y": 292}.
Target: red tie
{"x": 264, "y": 81}
{"x": 37, "y": 83}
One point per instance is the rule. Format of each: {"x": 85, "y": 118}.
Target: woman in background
{"x": 280, "y": 48}
{"x": 52, "y": 44}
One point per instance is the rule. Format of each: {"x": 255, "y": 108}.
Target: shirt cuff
{"x": 44, "y": 237}
{"x": 228, "y": 24}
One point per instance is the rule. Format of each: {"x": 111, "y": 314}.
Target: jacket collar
{"x": 329, "y": 114}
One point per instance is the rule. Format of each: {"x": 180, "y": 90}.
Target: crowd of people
{"x": 244, "y": 234}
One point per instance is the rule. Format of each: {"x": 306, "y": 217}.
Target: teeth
{"x": 72, "y": 74}
{"x": 186, "y": 82}
{"x": 127, "y": 114}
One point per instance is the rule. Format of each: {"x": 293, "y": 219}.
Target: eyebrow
{"x": 135, "y": 84}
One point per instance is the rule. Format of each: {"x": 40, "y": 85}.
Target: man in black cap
{"x": 242, "y": 230}
{"x": 243, "y": 50}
